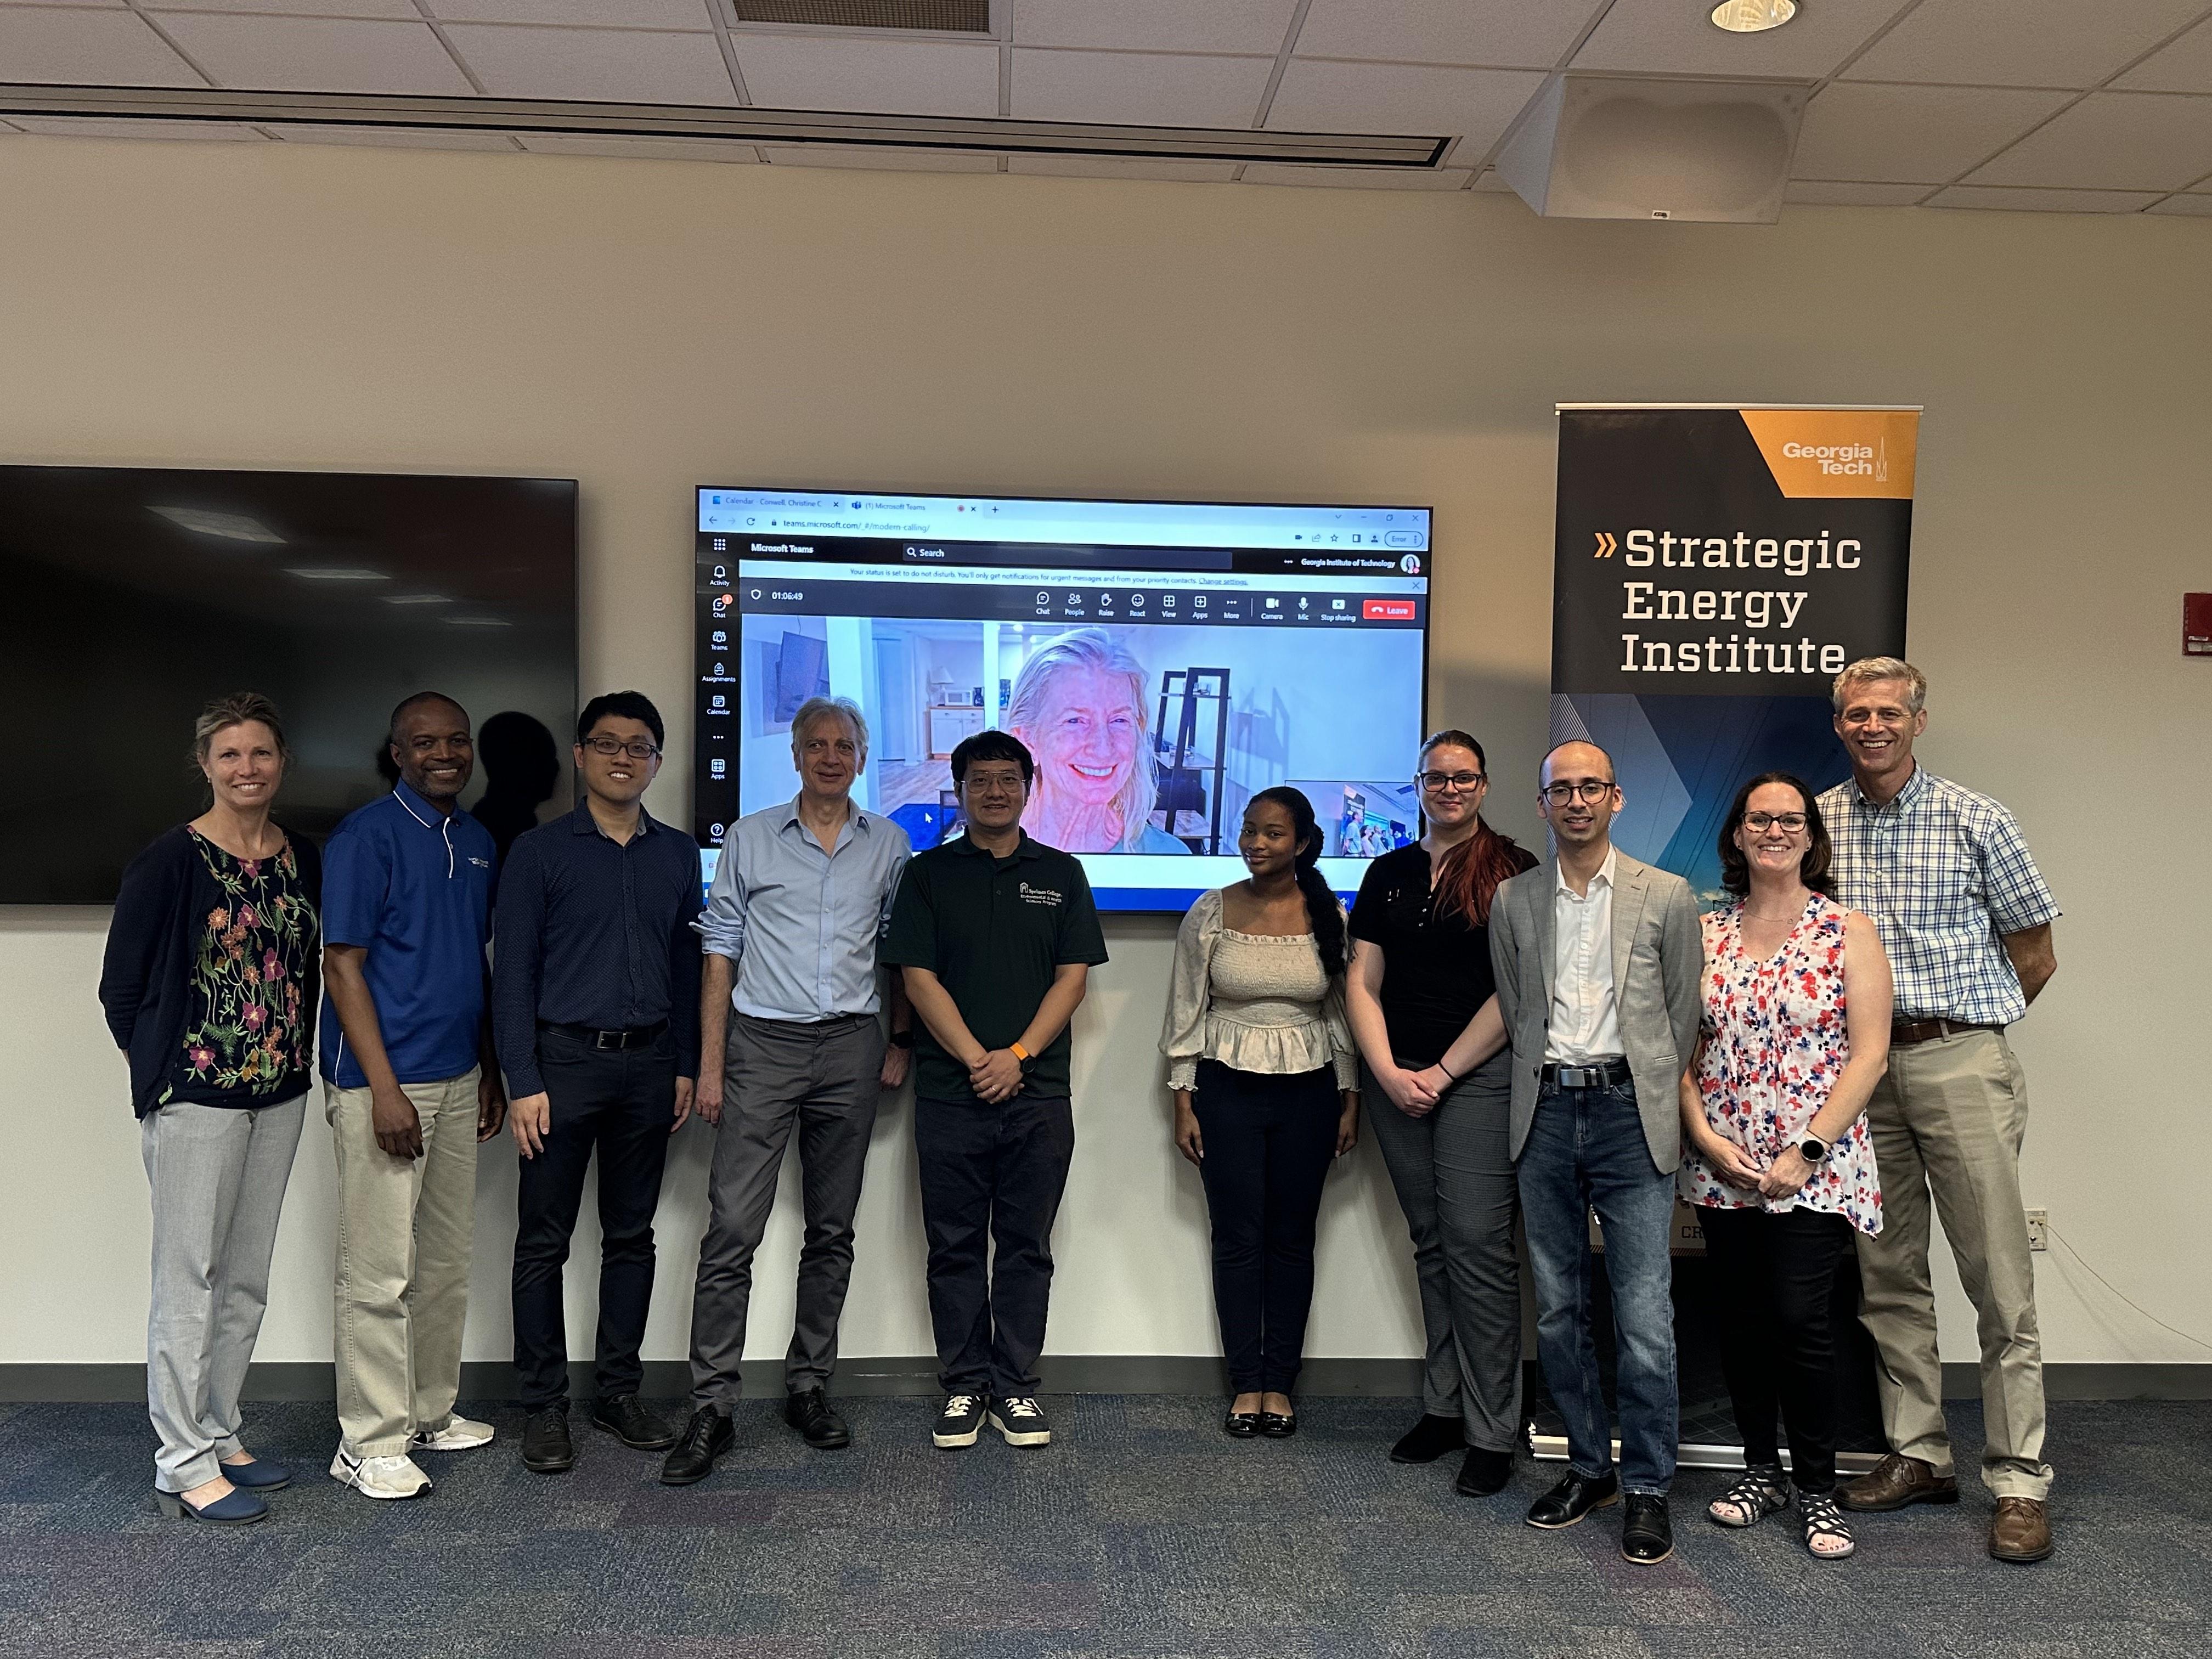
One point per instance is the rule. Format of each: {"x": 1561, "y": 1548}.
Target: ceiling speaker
{"x": 1617, "y": 147}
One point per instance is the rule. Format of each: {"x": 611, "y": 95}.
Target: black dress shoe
{"x": 810, "y": 1414}
{"x": 706, "y": 1437}
{"x": 1573, "y": 1498}
{"x": 1483, "y": 1473}
{"x": 1278, "y": 1425}
{"x": 1647, "y": 1537}
{"x": 1429, "y": 1439}
{"x": 546, "y": 1448}
{"x": 1240, "y": 1425}
{"x": 622, "y": 1417}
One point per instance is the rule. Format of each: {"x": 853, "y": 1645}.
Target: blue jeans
{"x": 1586, "y": 1150}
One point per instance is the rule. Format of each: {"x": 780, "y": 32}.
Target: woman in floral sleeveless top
{"x": 1792, "y": 1038}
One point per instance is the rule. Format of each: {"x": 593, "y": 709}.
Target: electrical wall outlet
{"x": 2038, "y": 1230}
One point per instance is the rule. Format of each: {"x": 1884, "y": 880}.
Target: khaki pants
{"x": 1948, "y": 1118}
{"x": 404, "y": 1229}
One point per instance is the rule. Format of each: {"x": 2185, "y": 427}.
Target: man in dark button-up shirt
{"x": 595, "y": 1012}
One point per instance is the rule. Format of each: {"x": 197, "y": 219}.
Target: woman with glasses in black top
{"x": 1437, "y": 1079}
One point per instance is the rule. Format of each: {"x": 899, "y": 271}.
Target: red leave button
{"x": 1387, "y": 610}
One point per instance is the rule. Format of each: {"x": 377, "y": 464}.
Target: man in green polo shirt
{"x": 996, "y": 934}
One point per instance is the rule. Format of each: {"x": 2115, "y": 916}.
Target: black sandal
{"x": 1761, "y": 1493}
{"x": 1824, "y": 1519}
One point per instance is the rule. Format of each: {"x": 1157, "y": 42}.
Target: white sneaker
{"x": 456, "y": 1433}
{"x": 380, "y": 1477}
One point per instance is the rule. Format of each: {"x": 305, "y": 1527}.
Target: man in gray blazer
{"x": 1598, "y": 960}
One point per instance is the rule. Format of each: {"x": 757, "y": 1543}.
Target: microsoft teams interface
{"x": 1163, "y": 662}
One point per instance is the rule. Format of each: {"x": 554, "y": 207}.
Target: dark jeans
{"x": 821, "y": 1078}
{"x": 1775, "y": 1273}
{"x": 991, "y": 1175}
{"x": 1586, "y": 1151}
{"x": 620, "y": 1104}
{"x": 1268, "y": 1143}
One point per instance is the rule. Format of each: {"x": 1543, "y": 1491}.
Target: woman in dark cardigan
{"x": 210, "y": 987}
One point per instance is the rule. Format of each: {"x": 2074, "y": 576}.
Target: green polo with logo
{"x": 994, "y": 932}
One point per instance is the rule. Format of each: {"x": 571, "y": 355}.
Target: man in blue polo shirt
{"x": 406, "y": 906}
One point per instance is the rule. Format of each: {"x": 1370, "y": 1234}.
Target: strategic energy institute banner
{"x": 1717, "y": 567}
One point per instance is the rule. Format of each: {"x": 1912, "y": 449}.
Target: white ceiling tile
{"x": 298, "y": 8}
{"x": 395, "y": 138}
{"x": 1138, "y": 88}
{"x": 317, "y": 54}
{"x": 644, "y": 149}
{"x": 2008, "y": 43}
{"x": 171, "y": 131}
{"x": 632, "y": 14}
{"x": 1114, "y": 166}
{"x": 2184, "y": 66}
{"x": 1496, "y": 33}
{"x": 1913, "y": 135}
{"x": 905, "y": 78}
{"x": 1677, "y": 37}
{"x": 1475, "y": 105}
{"x": 878, "y": 158}
{"x": 1274, "y": 172}
{"x": 2196, "y": 207}
{"x": 2157, "y": 141}
{"x": 1826, "y": 193}
{"x": 2044, "y": 201}
{"x": 1249, "y": 26}
{"x": 620, "y": 66}
{"x": 83, "y": 46}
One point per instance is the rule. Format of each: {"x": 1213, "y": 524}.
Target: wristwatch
{"x": 1813, "y": 1149}
{"x": 902, "y": 1039}
{"x": 1024, "y": 1055}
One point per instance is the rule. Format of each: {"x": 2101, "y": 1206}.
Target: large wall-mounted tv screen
{"x": 1163, "y": 660}
{"x": 135, "y": 596}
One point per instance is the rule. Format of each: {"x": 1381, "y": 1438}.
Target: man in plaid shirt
{"x": 1966, "y": 920}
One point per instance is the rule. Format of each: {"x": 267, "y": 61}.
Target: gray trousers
{"x": 822, "y": 1077}
{"x": 218, "y": 1175}
{"x": 1455, "y": 1183}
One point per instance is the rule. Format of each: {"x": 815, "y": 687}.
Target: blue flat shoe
{"x": 233, "y": 1508}
{"x": 262, "y": 1474}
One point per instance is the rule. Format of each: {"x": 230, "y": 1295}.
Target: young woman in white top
{"x": 1264, "y": 1075}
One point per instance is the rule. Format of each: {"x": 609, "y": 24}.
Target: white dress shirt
{"x": 1585, "y": 1014}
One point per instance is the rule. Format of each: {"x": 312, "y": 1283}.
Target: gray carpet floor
{"x": 1144, "y": 1531}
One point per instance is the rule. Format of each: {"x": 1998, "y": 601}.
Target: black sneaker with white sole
{"x": 1022, "y": 1420}
{"x": 960, "y": 1422}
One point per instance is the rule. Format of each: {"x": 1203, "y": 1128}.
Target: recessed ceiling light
{"x": 477, "y": 622}
{"x": 417, "y": 598}
{"x": 335, "y": 572}
{"x": 1752, "y": 16}
{"x": 231, "y": 526}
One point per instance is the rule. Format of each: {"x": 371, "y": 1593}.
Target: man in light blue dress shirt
{"x": 788, "y": 1035}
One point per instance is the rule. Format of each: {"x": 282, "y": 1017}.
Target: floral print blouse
{"x": 249, "y": 1039}
{"x": 1775, "y": 1043}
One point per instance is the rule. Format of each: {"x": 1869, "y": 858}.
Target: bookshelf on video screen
{"x": 1163, "y": 660}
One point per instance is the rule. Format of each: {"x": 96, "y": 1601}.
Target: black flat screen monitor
{"x": 135, "y": 596}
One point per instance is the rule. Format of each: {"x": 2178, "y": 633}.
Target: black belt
{"x": 637, "y": 1036}
{"x": 1906, "y": 1031}
{"x": 1601, "y": 1074}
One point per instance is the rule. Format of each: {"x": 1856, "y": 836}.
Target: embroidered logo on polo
{"x": 1040, "y": 894}
{"x": 481, "y": 863}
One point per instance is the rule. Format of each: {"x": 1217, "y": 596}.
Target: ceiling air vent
{"x": 944, "y": 16}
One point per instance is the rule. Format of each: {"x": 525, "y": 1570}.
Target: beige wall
{"x": 644, "y": 327}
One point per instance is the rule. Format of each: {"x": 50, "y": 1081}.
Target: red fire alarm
{"x": 2197, "y": 624}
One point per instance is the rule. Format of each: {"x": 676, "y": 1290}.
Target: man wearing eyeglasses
{"x": 1598, "y": 960}
{"x": 1966, "y": 920}
{"x": 595, "y": 1010}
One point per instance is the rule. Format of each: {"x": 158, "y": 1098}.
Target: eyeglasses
{"x": 610, "y": 747}
{"x": 985, "y": 783}
{"x": 1788, "y": 823}
{"x": 1441, "y": 782}
{"x": 1590, "y": 789}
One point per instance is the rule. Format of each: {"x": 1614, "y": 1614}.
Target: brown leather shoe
{"x": 1896, "y": 1481}
{"x": 2021, "y": 1531}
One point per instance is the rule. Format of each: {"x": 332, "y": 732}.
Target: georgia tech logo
{"x": 1844, "y": 460}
